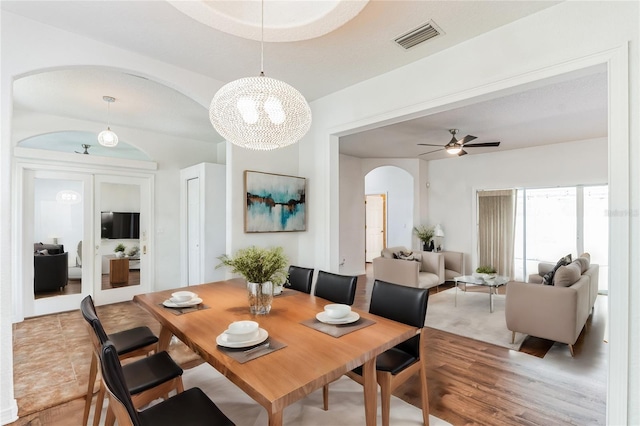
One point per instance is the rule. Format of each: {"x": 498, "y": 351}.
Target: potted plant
{"x": 263, "y": 268}
{"x": 425, "y": 234}
{"x": 485, "y": 272}
{"x": 135, "y": 250}
{"x": 119, "y": 250}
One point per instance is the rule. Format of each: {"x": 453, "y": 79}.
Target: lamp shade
{"x": 438, "y": 232}
{"x": 108, "y": 138}
{"x": 260, "y": 113}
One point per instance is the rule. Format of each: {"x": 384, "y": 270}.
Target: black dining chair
{"x": 336, "y": 288}
{"x": 300, "y": 279}
{"x": 191, "y": 407}
{"x": 147, "y": 379}
{"x": 407, "y": 305}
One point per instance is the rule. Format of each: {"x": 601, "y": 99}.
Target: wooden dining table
{"x": 277, "y": 379}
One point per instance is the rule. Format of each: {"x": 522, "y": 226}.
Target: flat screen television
{"x": 120, "y": 225}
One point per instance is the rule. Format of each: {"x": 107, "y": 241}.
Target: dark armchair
{"x": 50, "y": 272}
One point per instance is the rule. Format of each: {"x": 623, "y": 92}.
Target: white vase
{"x": 119, "y": 254}
{"x": 260, "y": 297}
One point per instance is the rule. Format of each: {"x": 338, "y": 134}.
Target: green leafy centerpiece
{"x": 485, "y": 272}
{"x": 263, "y": 268}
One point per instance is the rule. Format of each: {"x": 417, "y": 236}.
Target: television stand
{"x": 119, "y": 271}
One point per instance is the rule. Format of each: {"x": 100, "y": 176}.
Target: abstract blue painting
{"x": 275, "y": 203}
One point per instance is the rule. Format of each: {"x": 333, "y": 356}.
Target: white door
{"x": 375, "y": 229}
{"x": 123, "y": 206}
{"x": 193, "y": 231}
{"x": 56, "y": 211}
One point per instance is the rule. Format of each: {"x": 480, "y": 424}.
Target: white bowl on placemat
{"x": 241, "y": 331}
{"x": 337, "y": 310}
{"x": 182, "y": 296}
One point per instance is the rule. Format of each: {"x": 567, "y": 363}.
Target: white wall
{"x": 352, "y": 213}
{"x": 54, "y": 219}
{"x": 283, "y": 161}
{"x": 560, "y": 39}
{"x": 398, "y": 186}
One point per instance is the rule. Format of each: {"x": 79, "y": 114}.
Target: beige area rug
{"x": 471, "y": 317}
{"x": 346, "y": 403}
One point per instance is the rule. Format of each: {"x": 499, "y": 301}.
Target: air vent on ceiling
{"x": 418, "y": 35}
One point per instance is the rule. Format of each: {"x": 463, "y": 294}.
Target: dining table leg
{"x": 164, "y": 339}
{"x": 275, "y": 419}
{"x": 370, "y": 392}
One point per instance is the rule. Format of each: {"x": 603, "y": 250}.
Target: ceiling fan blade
{"x": 425, "y": 153}
{"x": 483, "y": 144}
{"x": 462, "y": 152}
{"x": 466, "y": 139}
{"x": 428, "y": 144}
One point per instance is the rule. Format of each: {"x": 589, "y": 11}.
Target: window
{"x": 552, "y": 222}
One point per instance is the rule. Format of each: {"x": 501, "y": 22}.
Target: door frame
{"x": 383, "y": 221}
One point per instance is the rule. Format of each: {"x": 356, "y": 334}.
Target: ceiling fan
{"x": 86, "y": 149}
{"x": 455, "y": 146}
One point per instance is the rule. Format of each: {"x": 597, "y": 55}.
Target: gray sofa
{"x": 425, "y": 272}
{"x": 555, "y": 312}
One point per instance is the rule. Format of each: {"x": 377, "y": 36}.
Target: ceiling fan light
{"x": 108, "y": 138}
{"x": 453, "y": 148}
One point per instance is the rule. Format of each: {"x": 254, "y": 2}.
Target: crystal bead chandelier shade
{"x": 108, "y": 137}
{"x": 260, "y": 113}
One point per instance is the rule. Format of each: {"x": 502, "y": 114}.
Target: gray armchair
{"x": 425, "y": 272}
{"x": 453, "y": 264}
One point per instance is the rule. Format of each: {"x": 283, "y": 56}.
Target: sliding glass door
{"x": 553, "y": 222}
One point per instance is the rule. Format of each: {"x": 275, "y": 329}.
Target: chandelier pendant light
{"x": 107, "y": 137}
{"x": 260, "y": 113}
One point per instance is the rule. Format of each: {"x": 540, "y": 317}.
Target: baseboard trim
{"x": 9, "y": 414}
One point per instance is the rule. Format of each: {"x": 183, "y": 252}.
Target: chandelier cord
{"x": 262, "y": 39}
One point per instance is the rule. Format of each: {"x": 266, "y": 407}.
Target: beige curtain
{"x": 496, "y": 229}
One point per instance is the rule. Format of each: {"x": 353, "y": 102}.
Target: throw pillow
{"x": 587, "y": 255}
{"x": 567, "y": 275}
{"x": 547, "y": 279}
{"x": 408, "y": 255}
{"x": 584, "y": 264}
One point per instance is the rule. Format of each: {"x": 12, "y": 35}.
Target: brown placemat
{"x": 186, "y": 310}
{"x": 337, "y": 330}
{"x": 241, "y": 355}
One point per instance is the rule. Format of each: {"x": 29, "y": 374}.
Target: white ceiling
{"x": 360, "y": 49}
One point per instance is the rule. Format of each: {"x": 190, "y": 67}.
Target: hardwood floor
{"x": 475, "y": 383}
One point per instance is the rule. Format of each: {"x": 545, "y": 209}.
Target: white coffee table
{"x": 492, "y": 283}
